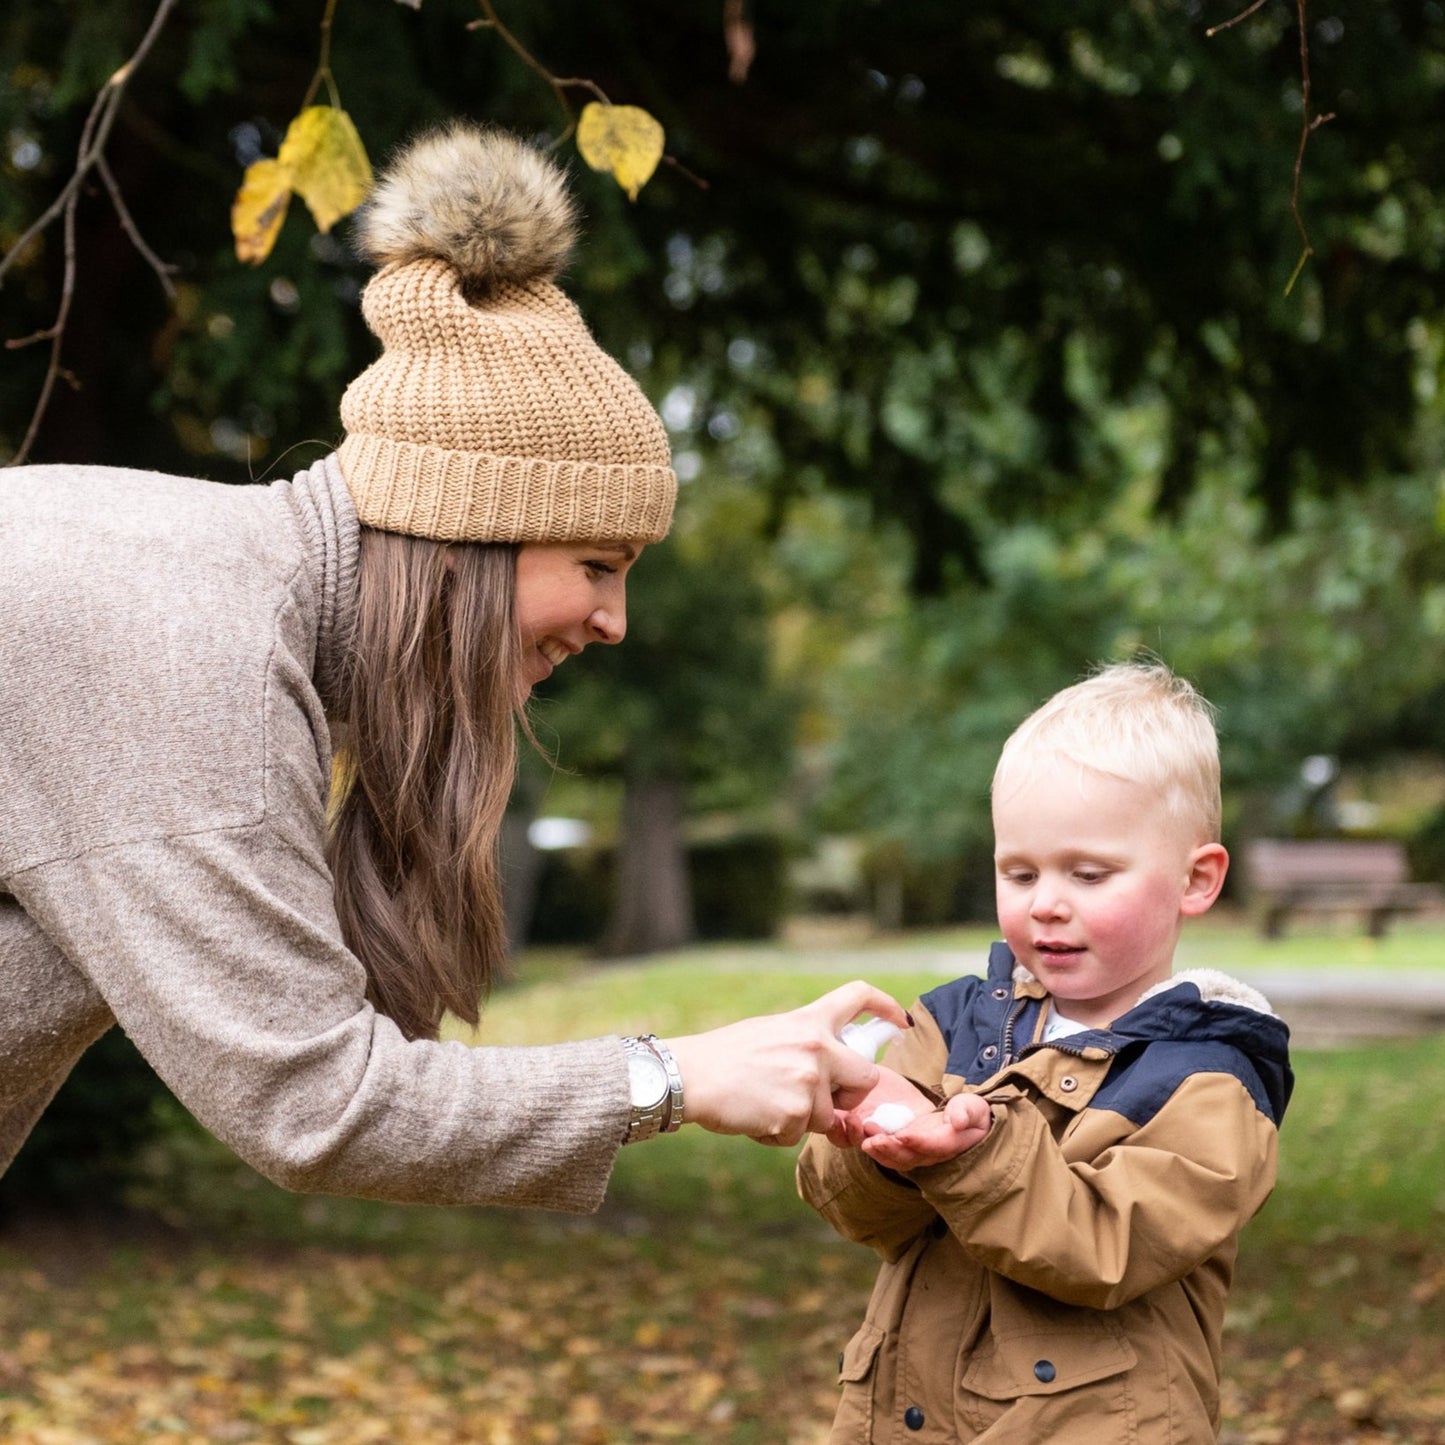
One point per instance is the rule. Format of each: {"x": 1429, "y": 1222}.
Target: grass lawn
{"x": 704, "y": 1303}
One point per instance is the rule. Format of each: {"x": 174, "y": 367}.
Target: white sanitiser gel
{"x": 890, "y": 1117}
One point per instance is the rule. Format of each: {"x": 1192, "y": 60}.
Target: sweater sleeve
{"x": 219, "y": 955}
{"x": 165, "y": 775}
{"x": 1099, "y": 1228}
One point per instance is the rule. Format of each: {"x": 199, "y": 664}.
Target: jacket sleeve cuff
{"x": 862, "y": 1202}
{"x": 982, "y": 1173}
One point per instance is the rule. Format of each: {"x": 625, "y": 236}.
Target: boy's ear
{"x": 1207, "y": 866}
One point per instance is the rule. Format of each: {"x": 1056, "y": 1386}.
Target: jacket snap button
{"x": 913, "y": 1417}
{"x": 1044, "y": 1371}
{"x": 1000, "y": 993}
{"x": 991, "y": 1052}
{"x": 1068, "y": 1083}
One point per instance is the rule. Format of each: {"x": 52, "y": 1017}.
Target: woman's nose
{"x": 609, "y": 624}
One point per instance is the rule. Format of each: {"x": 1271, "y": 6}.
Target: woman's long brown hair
{"x": 424, "y": 777}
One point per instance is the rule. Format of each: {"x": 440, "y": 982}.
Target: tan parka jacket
{"x": 1066, "y": 1278}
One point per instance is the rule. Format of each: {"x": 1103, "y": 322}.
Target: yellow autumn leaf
{"x": 623, "y": 139}
{"x": 259, "y": 209}
{"x": 328, "y": 164}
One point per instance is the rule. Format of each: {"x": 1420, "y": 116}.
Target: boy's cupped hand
{"x": 932, "y": 1135}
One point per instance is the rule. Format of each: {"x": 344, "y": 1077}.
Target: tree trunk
{"x": 521, "y": 863}
{"x": 521, "y": 871}
{"x": 652, "y": 905}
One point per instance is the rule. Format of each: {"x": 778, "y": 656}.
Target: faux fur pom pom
{"x": 486, "y": 203}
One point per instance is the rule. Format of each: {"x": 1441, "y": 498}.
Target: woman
{"x": 178, "y": 658}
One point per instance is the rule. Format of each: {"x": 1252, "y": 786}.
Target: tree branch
{"x": 739, "y": 39}
{"x": 1308, "y": 123}
{"x": 162, "y": 269}
{"x": 1229, "y": 24}
{"x": 558, "y": 85}
{"x": 323, "y": 62}
{"x": 90, "y": 157}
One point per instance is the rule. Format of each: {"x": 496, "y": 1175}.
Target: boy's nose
{"x": 1048, "y": 902}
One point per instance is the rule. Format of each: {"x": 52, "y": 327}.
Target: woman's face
{"x": 569, "y": 594}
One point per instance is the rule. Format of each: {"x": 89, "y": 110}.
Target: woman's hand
{"x": 778, "y": 1077}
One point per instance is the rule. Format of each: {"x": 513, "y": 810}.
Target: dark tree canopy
{"x": 933, "y": 236}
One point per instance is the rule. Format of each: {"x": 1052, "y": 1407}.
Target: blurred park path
{"x": 1347, "y": 998}
{"x": 1337, "y": 1008}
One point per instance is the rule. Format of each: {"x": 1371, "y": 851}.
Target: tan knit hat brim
{"x": 423, "y": 490}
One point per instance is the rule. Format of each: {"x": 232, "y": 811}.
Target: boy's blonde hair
{"x": 1133, "y": 720}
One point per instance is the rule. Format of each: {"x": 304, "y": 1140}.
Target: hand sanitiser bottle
{"x": 869, "y": 1038}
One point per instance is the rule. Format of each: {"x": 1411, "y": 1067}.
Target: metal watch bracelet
{"x": 673, "y": 1120}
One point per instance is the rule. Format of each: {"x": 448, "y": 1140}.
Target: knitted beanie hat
{"x": 491, "y": 414}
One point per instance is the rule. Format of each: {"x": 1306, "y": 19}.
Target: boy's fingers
{"x": 886, "y": 1149}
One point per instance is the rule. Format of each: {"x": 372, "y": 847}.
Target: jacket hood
{"x": 1199, "y": 1006}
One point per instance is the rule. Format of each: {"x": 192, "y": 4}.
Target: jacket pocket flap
{"x": 1044, "y": 1364}
{"x": 859, "y": 1355}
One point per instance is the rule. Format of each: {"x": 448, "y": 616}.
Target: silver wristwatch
{"x": 656, "y": 1088}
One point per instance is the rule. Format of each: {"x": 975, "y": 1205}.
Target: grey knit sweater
{"x": 168, "y": 649}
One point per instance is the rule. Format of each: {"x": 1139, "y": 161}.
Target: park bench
{"x": 1370, "y": 877}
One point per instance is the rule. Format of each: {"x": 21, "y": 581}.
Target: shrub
{"x": 739, "y": 887}
{"x": 1426, "y": 849}
{"x": 84, "y": 1150}
{"x": 739, "y": 890}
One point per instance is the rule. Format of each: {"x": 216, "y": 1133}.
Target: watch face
{"x": 648, "y": 1079}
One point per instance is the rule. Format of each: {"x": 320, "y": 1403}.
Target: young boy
{"x": 1059, "y": 1221}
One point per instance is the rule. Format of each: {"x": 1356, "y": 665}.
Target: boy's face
{"x": 1093, "y": 881}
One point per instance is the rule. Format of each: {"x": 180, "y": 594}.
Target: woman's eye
{"x": 600, "y": 568}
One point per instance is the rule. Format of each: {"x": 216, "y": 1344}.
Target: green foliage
{"x": 689, "y": 695}
{"x": 1001, "y": 334}
{"x": 574, "y": 893}
{"x": 957, "y": 887}
{"x": 883, "y": 285}
{"x": 211, "y": 64}
{"x": 1319, "y": 640}
{"x": 979, "y": 321}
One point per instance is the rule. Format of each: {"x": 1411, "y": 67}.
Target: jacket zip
{"x": 1073, "y": 1050}
{"x": 1006, "y": 1043}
